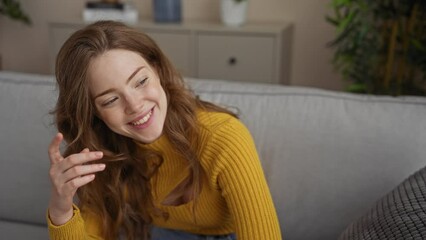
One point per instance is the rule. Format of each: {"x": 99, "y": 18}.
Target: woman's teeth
{"x": 143, "y": 120}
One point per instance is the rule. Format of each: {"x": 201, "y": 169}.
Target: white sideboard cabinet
{"x": 251, "y": 53}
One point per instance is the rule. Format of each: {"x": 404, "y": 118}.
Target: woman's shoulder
{"x": 220, "y": 125}
{"x": 212, "y": 121}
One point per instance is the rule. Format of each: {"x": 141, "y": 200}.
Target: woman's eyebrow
{"x": 127, "y": 82}
{"x": 134, "y": 73}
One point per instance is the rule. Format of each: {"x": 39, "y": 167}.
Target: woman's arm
{"x": 243, "y": 184}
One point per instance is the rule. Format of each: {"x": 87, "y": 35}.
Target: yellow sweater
{"x": 234, "y": 197}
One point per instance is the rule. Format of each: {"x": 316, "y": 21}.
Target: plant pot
{"x": 167, "y": 10}
{"x": 233, "y": 13}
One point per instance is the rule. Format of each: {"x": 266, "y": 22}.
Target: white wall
{"x": 25, "y": 48}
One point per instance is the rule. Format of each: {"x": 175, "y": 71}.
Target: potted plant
{"x": 380, "y": 46}
{"x": 234, "y": 12}
{"x": 12, "y": 9}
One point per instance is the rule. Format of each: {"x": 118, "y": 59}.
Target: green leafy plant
{"x": 380, "y": 45}
{"x": 12, "y": 9}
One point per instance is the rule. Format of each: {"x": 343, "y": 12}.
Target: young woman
{"x": 147, "y": 158}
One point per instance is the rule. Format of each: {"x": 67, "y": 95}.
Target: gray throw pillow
{"x": 401, "y": 214}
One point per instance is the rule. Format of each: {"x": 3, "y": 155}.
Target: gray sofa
{"x": 327, "y": 156}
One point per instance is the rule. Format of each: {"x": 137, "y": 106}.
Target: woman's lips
{"x": 142, "y": 121}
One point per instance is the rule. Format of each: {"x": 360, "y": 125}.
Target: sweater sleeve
{"x": 77, "y": 228}
{"x": 243, "y": 183}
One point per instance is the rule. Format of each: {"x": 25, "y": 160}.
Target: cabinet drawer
{"x": 236, "y": 57}
{"x": 176, "y": 46}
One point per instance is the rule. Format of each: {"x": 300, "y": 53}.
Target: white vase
{"x": 233, "y": 13}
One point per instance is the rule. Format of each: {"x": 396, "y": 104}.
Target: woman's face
{"x": 128, "y": 95}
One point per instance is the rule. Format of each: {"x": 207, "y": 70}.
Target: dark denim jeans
{"x": 168, "y": 234}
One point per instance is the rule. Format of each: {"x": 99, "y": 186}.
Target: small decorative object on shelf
{"x": 109, "y": 10}
{"x": 234, "y": 12}
{"x": 167, "y": 11}
{"x": 104, "y": 5}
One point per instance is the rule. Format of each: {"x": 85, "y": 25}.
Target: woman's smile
{"x": 143, "y": 121}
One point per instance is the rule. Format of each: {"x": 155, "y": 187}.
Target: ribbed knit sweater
{"x": 234, "y": 195}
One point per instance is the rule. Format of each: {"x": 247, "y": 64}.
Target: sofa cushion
{"x": 401, "y": 214}
{"x": 15, "y": 230}
{"x": 25, "y": 102}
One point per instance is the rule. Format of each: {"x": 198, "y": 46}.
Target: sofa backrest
{"x": 327, "y": 156}
{"x": 25, "y": 127}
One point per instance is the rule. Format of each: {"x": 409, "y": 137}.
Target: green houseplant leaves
{"x": 380, "y": 45}
{"x": 12, "y": 9}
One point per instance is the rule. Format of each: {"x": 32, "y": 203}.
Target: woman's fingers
{"x": 79, "y": 159}
{"x": 75, "y": 183}
{"x": 71, "y": 172}
{"x": 82, "y": 170}
{"x": 85, "y": 150}
{"x": 54, "y": 152}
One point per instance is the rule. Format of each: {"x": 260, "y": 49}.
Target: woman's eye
{"x": 141, "y": 82}
{"x": 109, "y": 102}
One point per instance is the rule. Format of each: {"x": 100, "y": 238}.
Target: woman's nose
{"x": 134, "y": 104}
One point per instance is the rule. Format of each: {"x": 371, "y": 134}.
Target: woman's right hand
{"x": 67, "y": 175}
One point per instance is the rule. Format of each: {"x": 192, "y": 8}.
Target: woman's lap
{"x": 169, "y": 234}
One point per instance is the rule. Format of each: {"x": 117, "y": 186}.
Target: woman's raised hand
{"x": 67, "y": 175}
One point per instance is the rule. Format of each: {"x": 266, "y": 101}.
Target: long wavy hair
{"x": 121, "y": 195}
